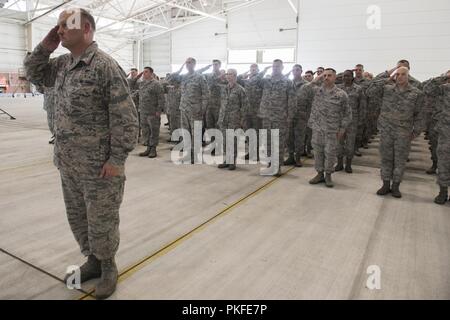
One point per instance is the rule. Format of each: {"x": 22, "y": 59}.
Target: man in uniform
{"x": 363, "y": 131}
{"x": 194, "y": 98}
{"x": 357, "y": 102}
{"x": 134, "y": 89}
{"x": 399, "y": 123}
{"x": 430, "y": 121}
{"x": 297, "y": 125}
{"x": 173, "y": 104}
{"x": 215, "y": 82}
{"x": 440, "y": 87}
{"x": 251, "y": 81}
{"x": 278, "y": 98}
{"x": 96, "y": 127}
{"x": 151, "y": 102}
{"x": 49, "y": 107}
{"x": 234, "y": 103}
{"x": 330, "y": 117}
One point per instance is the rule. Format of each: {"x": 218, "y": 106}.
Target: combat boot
{"x": 290, "y": 160}
{"x": 145, "y": 153}
{"x": 91, "y": 269}
{"x": 232, "y": 167}
{"x": 442, "y": 197}
{"x": 108, "y": 281}
{"x": 340, "y": 165}
{"x": 152, "y": 153}
{"x": 223, "y": 166}
{"x": 433, "y": 168}
{"x": 298, "y": 161}
{"x": 396, "y": 190}
{"x": 385, "y": 189}
{"x": 348, "y": 166}
{"x": 328, "y": 182}
{"x": 319, "y": 178}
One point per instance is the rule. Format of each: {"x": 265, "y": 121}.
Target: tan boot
{"x": 385, "y": 189}
{"x": 108, "y": 282}
{"x": 91, "y": 269}
{"x": 319, "y": 178}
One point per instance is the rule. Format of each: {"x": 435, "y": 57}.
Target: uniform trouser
{"x": 92, "y": 207}
{"x": 359, "y": 137}
{"x": 374, "y": 120}
{"x": 175, "y": 120}
{"x": 152, "y": 125}
{"x": 433, "y": 138}
{"x": 252, "y": 121}
{"x": 136, "y": 104}
{"x": 346, "y": 147}
{"x": 394, "y": 152}
{"x": 229, "y": 158}
{"x": 144, "y": 127}
{"x": 325, "y": 149}
{"x": 427, "y": 120}
{"x": 308, "y": 138}
{"x": 281, "y": 125}
{"x": 297, "y": 134}
{"x": 188, "y": 118}
{"x": 443, "y": 156}
{"x": 51, "y": 121}
{"x": 212, "y": 115}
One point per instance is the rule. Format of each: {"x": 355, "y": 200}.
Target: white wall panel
{"x": 12, "y": 46}
{"x": 335, "y": 33}
{"x": 258, "y": 26}
{"x": 157, "y": 54}
{"x": 199, "y": 41}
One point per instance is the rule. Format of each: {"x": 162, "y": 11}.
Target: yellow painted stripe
{"x": 172, "y": 245}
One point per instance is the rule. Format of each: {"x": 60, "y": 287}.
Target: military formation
{"x": 97, "y": 115}
{"x": 335, "y": 115}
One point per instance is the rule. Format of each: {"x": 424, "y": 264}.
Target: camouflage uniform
{"x": 400, "y": 117}
{"x": 374, "y": 104}
{"x": 134, "y": 89}
{"x": 253, "y": 88}
{"x": 364, "y": 130}
{"x": 430, "y": 120}
{"x": 194, "y": 99}
{"x": 215, "y": 84}
{"x": 151, "y": 102}
{"x": 357, "y": 101}
{"x": 96, "y": 123}
{"x": 297, "y": 126}
{"x": 330, "y": 112}
{"x": 173, "y": 105}
{"x": 439, "y": 87}
{"x": 234, "y": 104}
{"x": 49, "y": 106}
{"x": 278, "y": 99}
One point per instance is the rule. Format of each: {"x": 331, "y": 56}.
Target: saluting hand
{"x": 51, "y": 40}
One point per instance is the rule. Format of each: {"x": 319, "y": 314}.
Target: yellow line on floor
{"x": 172, "y": 245}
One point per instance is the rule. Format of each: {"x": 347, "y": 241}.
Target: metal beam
{"x": 66, "y": 2}
{"x": 141, "y": 11}
{"x": 239, "y": 6}
{"x": 199, "y": 12}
